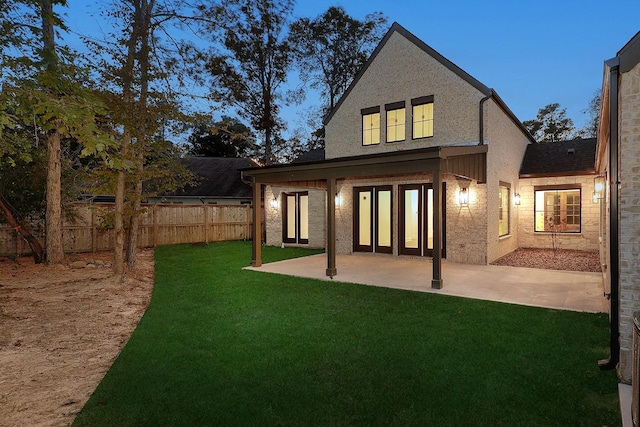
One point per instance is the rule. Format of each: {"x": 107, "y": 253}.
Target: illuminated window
{"x": 395, "y": 121}
{"x": 371, "y": 126}
{"x": 295, "y": 217}
{"x": 422, "y": 112}
{"x": 557, "y": 209}
{"x": 503, "y": 220}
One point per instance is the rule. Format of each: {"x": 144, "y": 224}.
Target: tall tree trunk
{"x": 143, "y": 24}
{"x": 22, "y": 227}
{"x": 53, "y": 220}
{"x": 118, "y": 248}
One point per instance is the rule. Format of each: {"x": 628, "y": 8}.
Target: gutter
{"x": 614, "y": 225}
{"x": 481, "y": 117}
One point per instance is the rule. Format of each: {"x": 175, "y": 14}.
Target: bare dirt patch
{"x": 560, "y": 259}
{"x": 61, "y": 328}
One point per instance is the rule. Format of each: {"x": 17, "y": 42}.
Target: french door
{"x": 372, "y": 219}
{"x": 416, "y": 219}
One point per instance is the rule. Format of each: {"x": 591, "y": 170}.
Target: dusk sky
{"x": 532, "y": 53}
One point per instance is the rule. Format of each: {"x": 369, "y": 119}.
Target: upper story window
{"x": 557, "y": 208}
{"x": 422, "y": 112}
{"x": 504, "y": 211}
{"x": 395, "y": 121}
{"x": 370, "y": 126}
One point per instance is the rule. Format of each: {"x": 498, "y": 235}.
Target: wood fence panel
{"x": 91, "y": 228}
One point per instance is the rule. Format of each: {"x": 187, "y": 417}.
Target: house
{"x": 557, "y": 204}
{"x": 618, "y": 157}
{"x": 220, "y": 183}
{"x": 423, "y": 160}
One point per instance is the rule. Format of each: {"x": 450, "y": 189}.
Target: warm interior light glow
{"x": 463, "y": 197}
{"x": 274, "y": 203}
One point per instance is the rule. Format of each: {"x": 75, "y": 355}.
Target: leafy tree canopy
{"x": 225, "y": 138}
{"x": 331, "y": 48}
{"x": 551, "y": 124}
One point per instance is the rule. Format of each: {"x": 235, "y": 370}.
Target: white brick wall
{"x": 507, "y": 145}
{"x": 586, "y": 240}
{"x": 317, "y": 215}
{"x": 402, "y": 71}
{"x": 629, "y": 213}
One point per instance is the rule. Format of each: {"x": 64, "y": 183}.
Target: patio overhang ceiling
{"x": 463, "y": 161}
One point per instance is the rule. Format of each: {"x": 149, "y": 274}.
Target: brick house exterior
{"x": 419, "y": 155}
{"x": 618, "y": 157}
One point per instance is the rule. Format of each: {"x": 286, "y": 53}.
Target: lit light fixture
{"x": 516, "y": 199}
{"x": 338, "y": 200}
{"x": 274, "y": 202}
{"x": 463, "y": 196}
{"x": 598, "y": 188}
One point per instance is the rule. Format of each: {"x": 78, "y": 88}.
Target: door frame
{"x": 423, "y": 224}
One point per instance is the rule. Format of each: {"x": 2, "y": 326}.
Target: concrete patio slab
{"x": 563, "y": 290}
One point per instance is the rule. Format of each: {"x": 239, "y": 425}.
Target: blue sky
{"x": 532, "y": 52}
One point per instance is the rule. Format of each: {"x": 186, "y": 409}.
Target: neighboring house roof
{"x": 576, "y": 157}
{"x": 220, "y": 177}
{"x": 397, "y": 28}
{"x": 310, "y": 156}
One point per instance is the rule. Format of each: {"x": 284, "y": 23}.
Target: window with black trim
{"x": 558, "y": 209}
{"x": 396, "y": 120}
{"x": 422, "y": 114}
{"x": 504, "y": 209}
{"x": 370, "y": 126}
{"x": 295, "y": 217}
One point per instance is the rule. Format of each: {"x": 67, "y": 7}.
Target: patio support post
{"x": 436, "y": 282}
{"x": 256, "y": 225}
{"x": 331, "y": 227}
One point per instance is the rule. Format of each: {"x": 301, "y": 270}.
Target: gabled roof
{"x": 219, "y": 177}
{"x": 575, "y": 157}
{"x": 630, "y": 54}
{"x": 397, "y": 28}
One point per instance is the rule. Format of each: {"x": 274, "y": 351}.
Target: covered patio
{"x": 562, "y": 290}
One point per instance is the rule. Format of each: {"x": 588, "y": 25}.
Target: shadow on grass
{"x": 224, "y": 346}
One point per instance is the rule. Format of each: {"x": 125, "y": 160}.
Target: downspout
{"x": 614, "y": 225}
{"x": 481, "y": 118}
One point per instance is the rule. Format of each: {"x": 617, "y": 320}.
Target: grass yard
{"x": 224, "y": 346}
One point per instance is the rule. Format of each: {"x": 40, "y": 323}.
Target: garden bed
{"x": 558, "y": 259}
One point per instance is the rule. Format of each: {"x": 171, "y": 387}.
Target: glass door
{"x": 372, "y": 219}
{"x": 416, "y": 219}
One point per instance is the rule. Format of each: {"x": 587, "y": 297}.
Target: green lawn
{"x": 223, "y": 346}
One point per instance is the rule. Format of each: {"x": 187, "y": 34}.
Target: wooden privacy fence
{"x": 91, "y": 228}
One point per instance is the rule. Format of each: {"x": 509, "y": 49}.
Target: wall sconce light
{"x": 338, "y": 200}
{"x": 598, "y": 189}
{"x": 516, "y": 199}
{"x": 463, "y": 196}
{"x": 274, "y": 202}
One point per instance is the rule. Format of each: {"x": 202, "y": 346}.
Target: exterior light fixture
{"x": 598, "y": 189}
{"x": 274, "y": 202}
{"x": 338, "y": 200}
{"x": 463, "y": 196}
{"x": 516, "y": 199}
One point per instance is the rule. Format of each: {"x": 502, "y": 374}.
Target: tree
{"x": 590, "y": 130}
{"x": 139, "y": 66}
{"x": 332, "y": 48}
{"x": 225, "y": 138}
{"x": 551, "y": 124}
{"x": 254, "y": 62}
{"x": 46, "y": 90}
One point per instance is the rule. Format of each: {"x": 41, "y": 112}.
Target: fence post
{"x": 206, "y": 223}
{"x": 155, "y": 225}
{"x": 94, "y": 232}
